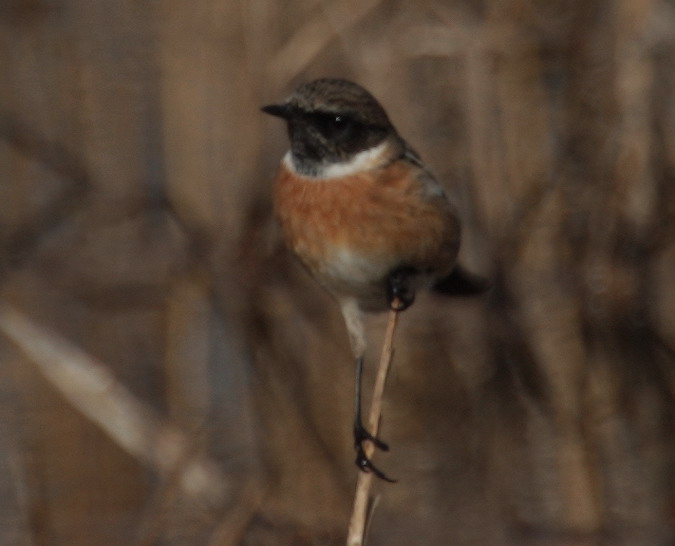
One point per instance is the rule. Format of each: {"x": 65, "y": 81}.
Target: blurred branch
{"x": 311, "y": 38}
{"x": 62, "y": 163}
{"x": 91, "y": 388}
{"x": 233, "y": 527}
{"x": 52, "y": 155}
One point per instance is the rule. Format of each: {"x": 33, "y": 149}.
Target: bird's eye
{"x": 333, "y": 125}
{"x": 339, "y": 121}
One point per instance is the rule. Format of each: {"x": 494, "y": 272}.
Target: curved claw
{"x": 361, "y": 435}
{"x": 366, "y": 465}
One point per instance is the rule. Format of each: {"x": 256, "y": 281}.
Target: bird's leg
{"x": 362, "y": 435}
{"x": 354, "y": 321}
{"x": 400, "y": 294}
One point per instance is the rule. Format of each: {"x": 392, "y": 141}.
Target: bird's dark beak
{"x": 278, "y": 110}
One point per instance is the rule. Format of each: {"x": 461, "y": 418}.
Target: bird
{"x": 364, "y": 214}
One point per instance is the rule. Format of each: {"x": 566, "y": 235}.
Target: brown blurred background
{"x": 170, "y": 376}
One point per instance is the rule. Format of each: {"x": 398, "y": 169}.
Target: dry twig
{"x": 90, "y": 387}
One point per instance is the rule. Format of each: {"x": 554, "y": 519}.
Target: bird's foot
{"x": 400, "y": 294}
{"x": 362, "y": 461}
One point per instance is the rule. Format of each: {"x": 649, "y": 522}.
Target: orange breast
{"x": 385, "y": 218}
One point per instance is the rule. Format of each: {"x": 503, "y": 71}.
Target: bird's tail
{"x": 461, "y": 282}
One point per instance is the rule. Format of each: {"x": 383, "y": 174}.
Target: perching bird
{"x": 363, "y": 213}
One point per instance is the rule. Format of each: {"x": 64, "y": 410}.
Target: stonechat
{"x": 363, "y": 213}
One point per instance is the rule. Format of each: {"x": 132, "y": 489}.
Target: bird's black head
{"x": 330, "y": 121}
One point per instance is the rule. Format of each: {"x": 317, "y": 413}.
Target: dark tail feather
{"x": 461, "y": 282}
